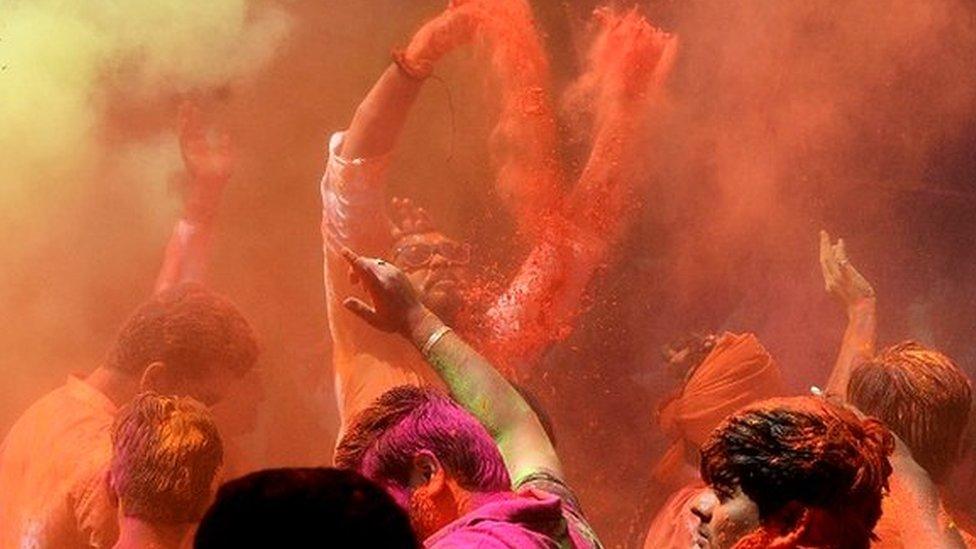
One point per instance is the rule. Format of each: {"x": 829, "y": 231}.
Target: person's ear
{"x": 155, "y": 378}
{"x": 427, "y": 472}
{"x": 113, "y": 494}
{"x": 793, "y": 521}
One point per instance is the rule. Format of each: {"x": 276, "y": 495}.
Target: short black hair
{"x": 804, "y": 450}
{"x": 189, "y": 328}
{"x": 304, "y": 507}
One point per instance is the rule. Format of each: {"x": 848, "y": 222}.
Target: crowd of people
{"x": 438, "y": 445}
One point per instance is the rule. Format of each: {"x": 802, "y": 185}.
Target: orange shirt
{"x": 52, "y": 472}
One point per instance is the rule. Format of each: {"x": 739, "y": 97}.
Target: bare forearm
{"x": 858, "y": 345}
{"x": 379, "y": 119}
{"x": 186, "y": 255}
{"x": 478, "y": 386}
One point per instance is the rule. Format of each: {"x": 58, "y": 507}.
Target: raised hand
{"x": 841, "y": 279}
{"x": 396, "y": 303}
{"x": 209, "y": 164}
{"x": 634, "y": 57}
{"x": 454, "y": 27}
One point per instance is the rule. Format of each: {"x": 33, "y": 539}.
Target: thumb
{"x": 363, "y": 311}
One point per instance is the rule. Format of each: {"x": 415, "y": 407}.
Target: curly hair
{"x": 921, "y": 395}
{"x": 190, "y": 329}
{"x": 383, "y": 439}
{"x": 803, "y": 451}
{"x": 165, "y": 454}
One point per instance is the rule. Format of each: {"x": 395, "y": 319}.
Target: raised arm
{"x": 473, "y": 381}
{"x": 857, "y": 296}
{"x": 524, "y": 143}
{"x": 629, "y": 66}
{"x": 354, "y": 208}
{"x": 208, "y": 165}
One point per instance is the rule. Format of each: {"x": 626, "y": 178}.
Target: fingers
{"x": 189, "y": 118}
{"x": 829, "y": 262}
{"x": 666, "y": 61}
{"x": 363, "y": 311}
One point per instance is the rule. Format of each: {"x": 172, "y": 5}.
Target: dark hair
{"x": 383, "y": 439}
{"x": 190, "y": 329}
{"x": 805, "y": 451}
{"x": 921, "y": 395}
{"x": 165, "y": 454}
{"x": 304, "y": 507}
{"x": 697, "y": 347}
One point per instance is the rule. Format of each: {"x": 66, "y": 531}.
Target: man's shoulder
{"x": 490, "y": 534}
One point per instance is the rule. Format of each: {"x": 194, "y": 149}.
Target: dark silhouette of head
{"x": 304, "y": 507}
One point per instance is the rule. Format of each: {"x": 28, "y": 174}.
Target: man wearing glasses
{"x": 571, "y": 234}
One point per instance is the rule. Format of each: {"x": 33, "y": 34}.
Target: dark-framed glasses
{"x": 414, "y": 256}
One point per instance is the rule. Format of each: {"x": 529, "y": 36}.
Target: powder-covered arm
{"x": 857, "y": 296}
{"x": 472, "y": 380}
{"x": 630, "y": 64}
{"x": 208, "y": 167}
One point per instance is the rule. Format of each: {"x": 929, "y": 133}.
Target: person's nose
{"x": 704, "y": 506}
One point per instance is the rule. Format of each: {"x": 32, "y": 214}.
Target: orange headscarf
{"x": 738, "y": 371}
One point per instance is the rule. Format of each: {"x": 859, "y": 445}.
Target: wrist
{"x": 862, "y": 306}
{"x": 411, "y": 65}
{"x": 420, "y": 325}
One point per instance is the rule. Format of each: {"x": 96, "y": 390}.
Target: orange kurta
{"x": 52, "y": 472}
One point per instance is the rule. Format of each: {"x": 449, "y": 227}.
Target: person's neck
{"x": 469, "y": 501}
{"x": 137, "y": 534}
{"x": 119, "y": 387}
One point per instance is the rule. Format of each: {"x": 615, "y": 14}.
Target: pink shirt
{"x": 52, "y": 472}
{"x": 530, "y": 518}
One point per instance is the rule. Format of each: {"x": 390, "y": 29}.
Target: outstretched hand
{"x": 396, "y": 303}
{"x": 452, "y": 28}
{"x": 209, "y": 165}
{"x": 841, "y": 279}
{"x": 637, "y": 57}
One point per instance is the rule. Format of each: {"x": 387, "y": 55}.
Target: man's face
{"x": 422, "y": 498}
{"x": 723, "y": 521}
{"x": 213, "y": 386}
{"x": 437, "y": 267}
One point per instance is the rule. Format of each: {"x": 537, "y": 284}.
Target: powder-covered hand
{"x": 454, "y": 27}
{"x": 209, "y": 165}
{"x": 396, "y": 303}
{"x": 841, "y": 279}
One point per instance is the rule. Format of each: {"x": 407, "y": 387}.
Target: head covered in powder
{"x": 165, "y": 456}
{"x": 794, "y": 472}
{"x": 921, "y": 395}
{"x": 415, "y": 442}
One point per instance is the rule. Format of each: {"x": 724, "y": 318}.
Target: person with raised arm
{"x": 54, "y": 458}
{"x": 455, "y": 505}
{"x": 919, "y": 393}
{"x": 544, "y": 296}
{"x": 209, "y": 167}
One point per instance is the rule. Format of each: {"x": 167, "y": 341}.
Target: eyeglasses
{"x": 415, "y": 256}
